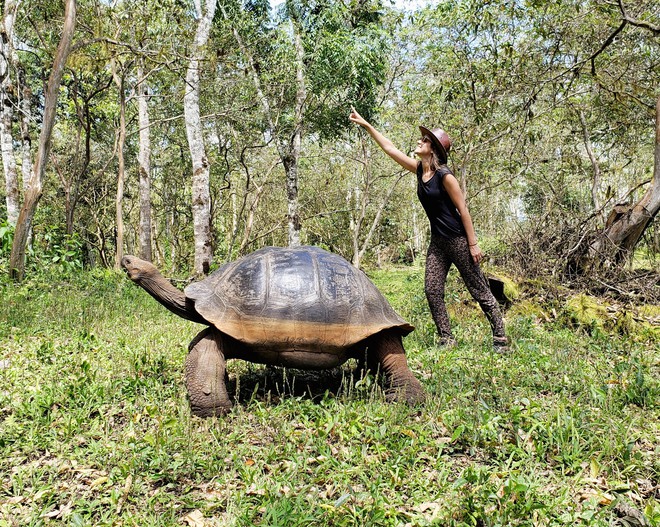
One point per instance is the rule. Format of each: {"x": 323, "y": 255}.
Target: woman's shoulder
{"x": 443, "y": 170}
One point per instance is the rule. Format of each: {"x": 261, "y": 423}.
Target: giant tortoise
{"x": 297, "y": 307}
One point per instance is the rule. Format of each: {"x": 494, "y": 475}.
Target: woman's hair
{"x": 436, "y": 160}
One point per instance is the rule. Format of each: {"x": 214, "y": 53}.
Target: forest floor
{"x": 95, "y": 427}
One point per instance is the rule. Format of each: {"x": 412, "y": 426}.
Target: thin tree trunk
{"x": 80, "y": 175}
{"x": 26, "y": 141}
{"x": 291, "y": 166}
{"x": 291, "y": 169}
{"x": 25, "y": 107}
{"x": 8, "y": 161}
{"x": 144, "y": 162}
{"x": 35, "y": 190}
{"x": 353, "y": 198}
{"x": 7, "y": 57}
{"x": 234, "y": 213}
{"x": 249, "y": 222}
{"x": 595, "y": 182}
{"x": 463, "y": 172}
{"x": 157, "y": 249}
{"x": 121, "y": 176}
{"x": 169, "y": 235}
{"x": 376, "y": 221}
{"x": 354, "y": 223}
{"x": 201, "y": 193}
{"x": 359, "y": 250}
{"x": 288, "y": 150}
{"x": 362, "y": 196}
{"x": 66, "y": 187}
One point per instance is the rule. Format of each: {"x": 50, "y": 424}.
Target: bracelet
{"x": 472, "y": 244}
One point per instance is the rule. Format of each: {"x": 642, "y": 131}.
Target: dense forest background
{"x": 194, "y": 132}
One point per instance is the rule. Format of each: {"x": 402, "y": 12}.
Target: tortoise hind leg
{"x": 205, "y": 375}
{"x": 386, "y": 349}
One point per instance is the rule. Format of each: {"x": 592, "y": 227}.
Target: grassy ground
{"x": 95, "y": 427}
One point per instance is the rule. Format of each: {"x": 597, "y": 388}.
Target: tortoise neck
{"x": 172, "y": 298}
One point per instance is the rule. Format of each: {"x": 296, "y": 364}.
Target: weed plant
{"x": 95, "y": 427}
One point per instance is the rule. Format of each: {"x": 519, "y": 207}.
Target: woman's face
{"x": 423, "y": 147}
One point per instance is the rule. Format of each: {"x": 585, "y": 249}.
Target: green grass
{"x": 95, "y": 427}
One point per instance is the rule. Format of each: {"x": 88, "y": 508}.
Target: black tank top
{"x": 440, "y": 209}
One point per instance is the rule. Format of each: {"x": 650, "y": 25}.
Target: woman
{"x": 453, "y": 240}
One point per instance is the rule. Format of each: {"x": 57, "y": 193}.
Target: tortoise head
{"x": 146, "y": 275}
{"x": 138, "y": 269}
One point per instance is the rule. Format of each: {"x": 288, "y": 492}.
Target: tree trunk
{"x": 291, "y": 169}
{"x": 353, "y": 198}
{"x": 201, "y": 193}
{"x": 35, "y": 190}
{"x": 357, "y": 258}
{"x": 26, "y": 116}
{"x": 8, "y": 160}
{"x": 7, "y": 91}
{"x": 249, "y": 222}
{"x": 144, "y": 162}
{"x": 595, "y": 182}
{"x": 355, "y": 222}
{"x": 362, "y": 195}
{"x": 292, "y": 159}
{"x": 68, "y": 201}
{"x": 627, "y": 224}
{"x": 288, "y": 150}
{"x": 121, "y": 176}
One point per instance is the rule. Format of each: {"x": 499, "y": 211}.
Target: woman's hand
{"x": 476, "y": 253}
{"x": 357, "y": 118}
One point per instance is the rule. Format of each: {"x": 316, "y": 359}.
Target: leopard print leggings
{"x": 443, "y": 252}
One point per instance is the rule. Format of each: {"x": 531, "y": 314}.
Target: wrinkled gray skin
{"x": 238, "y": 329}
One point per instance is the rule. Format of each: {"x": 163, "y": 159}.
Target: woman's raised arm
{"x": 388, "y": 147}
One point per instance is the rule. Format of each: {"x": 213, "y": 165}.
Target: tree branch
{"x": 638, "y": 23}
{"x": 605, "y": 45}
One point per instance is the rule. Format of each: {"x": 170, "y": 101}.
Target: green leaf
{"x": 457, "y": 432}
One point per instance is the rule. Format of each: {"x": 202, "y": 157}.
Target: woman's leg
{"x": 477, "y": 285}
{"x": 435, "y": 276}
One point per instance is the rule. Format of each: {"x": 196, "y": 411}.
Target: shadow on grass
{"x": 273, "y": 384}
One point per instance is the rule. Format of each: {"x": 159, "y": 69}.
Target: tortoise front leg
{"x": 386, "y": 349}
{"x": 205, "y": 375}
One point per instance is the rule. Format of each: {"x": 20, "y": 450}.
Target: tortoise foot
{"x": 210, "y": 411}
{"x": 409, "y": 392}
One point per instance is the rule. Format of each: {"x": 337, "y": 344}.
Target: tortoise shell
{"x": 300, "y": 299}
